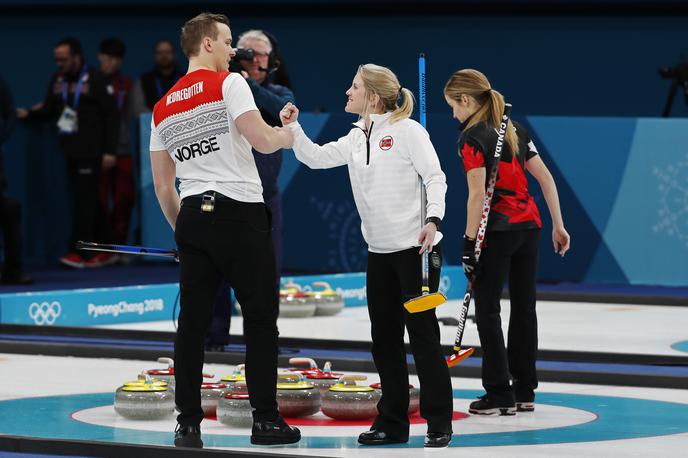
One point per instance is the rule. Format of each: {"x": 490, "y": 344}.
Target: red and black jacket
{"x": 513, "y": 208}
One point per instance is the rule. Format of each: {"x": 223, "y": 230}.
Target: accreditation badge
{"x": 68, "y": 123}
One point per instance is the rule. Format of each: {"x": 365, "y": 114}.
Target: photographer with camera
{"x": 256, "y": 60}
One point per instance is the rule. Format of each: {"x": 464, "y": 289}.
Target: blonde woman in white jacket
{"x": 385, "y": 153}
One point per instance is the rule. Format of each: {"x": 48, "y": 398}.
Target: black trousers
{"x": 222, "y": 310}
{"x": 232, "y": 243}
{"x": 84, "y": 177}
{"x": 218, "y": 333}
{"x": 392, "y": 279}
{"x": 511, "y": 254}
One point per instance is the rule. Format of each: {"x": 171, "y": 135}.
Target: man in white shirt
{"x": 202, "y": 133}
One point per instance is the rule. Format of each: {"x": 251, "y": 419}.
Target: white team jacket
{"x": 384, "y": 178}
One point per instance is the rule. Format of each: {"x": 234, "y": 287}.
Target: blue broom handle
{"x": 423, "y": 203}
{"x": 421, "y": 91}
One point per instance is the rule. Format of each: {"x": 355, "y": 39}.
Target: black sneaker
{"x": 525, "y": 406}
{"x": 437, "y": 440}
{"x": 485, "y": 406}
{"x": 275, "y": 432}
{"x": 378, "y": 437}
{"x": 188, "y": 436}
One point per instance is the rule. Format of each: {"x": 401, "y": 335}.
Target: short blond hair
{"x": 196, "y": 29}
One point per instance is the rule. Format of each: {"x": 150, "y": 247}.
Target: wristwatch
{"x": 434, "y": 219}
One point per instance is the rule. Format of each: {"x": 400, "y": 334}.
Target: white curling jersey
{"x": 194, "y": 122}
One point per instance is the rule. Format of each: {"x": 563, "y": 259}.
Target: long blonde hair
{"x": 473, "y": 83}
{"x": 382, "y": 82}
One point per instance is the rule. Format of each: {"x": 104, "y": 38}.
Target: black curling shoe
{"x": 275, "y": 432}
{"x": 188, "y": 436}
{"x": 486, "y": 406}
{"x": 437, "y": 440}
{"x": 525, "y": 406}
{"x": 377, "y": 437}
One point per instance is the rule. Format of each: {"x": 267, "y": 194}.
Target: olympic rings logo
{"x": 445, "y": 284}
{"x": 45, "y": 312}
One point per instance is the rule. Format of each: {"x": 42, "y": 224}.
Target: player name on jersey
{"x": 186, "y": 93}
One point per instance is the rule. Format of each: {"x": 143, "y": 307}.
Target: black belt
{"x": 211, "y": 202}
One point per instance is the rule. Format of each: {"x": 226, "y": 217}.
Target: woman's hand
{"x": 289, "y": 114}
{"x": 426, "y": 237}
{"x": 561, "y": 240}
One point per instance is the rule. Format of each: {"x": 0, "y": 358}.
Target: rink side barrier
{"x": 131, "y": 304}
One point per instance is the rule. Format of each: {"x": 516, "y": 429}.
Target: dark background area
{"x": 569, "y": 58}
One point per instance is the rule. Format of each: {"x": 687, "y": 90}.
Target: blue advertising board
{"x": 89, "y": 307}
{"x": 132, "y": 304}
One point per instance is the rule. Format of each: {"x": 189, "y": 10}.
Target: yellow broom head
{"x": 424, "y": 302}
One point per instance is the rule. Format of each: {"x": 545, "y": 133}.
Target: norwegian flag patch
{"x": 386, "y": 142}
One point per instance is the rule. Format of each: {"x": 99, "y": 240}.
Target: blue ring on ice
{"x": 616, "y": 418}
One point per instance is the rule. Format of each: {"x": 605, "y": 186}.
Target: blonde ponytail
{"x": 473, "y": 83}
{"x": 406, "y": 108}
{"x": 495, "y": 113}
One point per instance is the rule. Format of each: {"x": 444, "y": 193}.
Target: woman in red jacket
{"x": 511, "y": 241}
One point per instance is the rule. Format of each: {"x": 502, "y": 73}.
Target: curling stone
{"x": 166, "y": 375}
{"x": 144, "y": 400}
{"x": 231, "y": 380}
{"x": 211, "y": 393}
{"x": 234, "y": 409}
{"x": 414, "y": 397}
{"x": 312, "y": 366}
{"x": 289, "y": 377}
{"x": 236, "y": 387}
{"x": 327, "y": 301}
{"x": 350, "y": 402}
{"x": 325, "y": 379}
{"x": 144, "y": 379}
{"x": 294, "y": 303}
{"x": 298, "y": 399}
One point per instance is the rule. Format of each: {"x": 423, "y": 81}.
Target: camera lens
{"x": 244, "y": 54}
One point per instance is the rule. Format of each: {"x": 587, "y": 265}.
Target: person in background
{"x": 152, "y": 85}
{"x": 269, "y": 98}
{"x": 10, "y": 209}
{"x": 88, "y": 128}
{"x": 146, "y": 92}
{"x": 117, "y": 181}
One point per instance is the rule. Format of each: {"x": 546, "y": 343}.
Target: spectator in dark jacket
{"x": 88, "y": 127}
{"x": 151, "y": 86}
{"x": 117, "y": 182}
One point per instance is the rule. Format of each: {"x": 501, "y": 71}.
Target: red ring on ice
{"x": 414, "y": 419}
